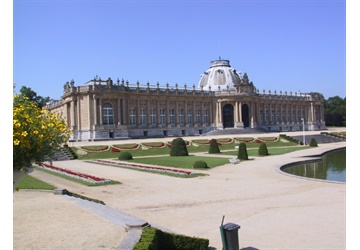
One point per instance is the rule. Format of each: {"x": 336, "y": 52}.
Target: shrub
{"x": 178, "y": 147}
{"x": 125, "y": 155}
{"x": 242, "y": 152}
{"x": 214, "y": 147}
{"x": 200, "y": 164}
{"x": 313, "y": 142}
{"x": 263, "y": 151}
{"x": 152, "y": 239}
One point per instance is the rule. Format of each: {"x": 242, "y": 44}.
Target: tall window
{"x": 163, "y": 116}
{"x": 181, "y": 116}
{"x": 172, "y": 116}
{"x": 153, "y": 117}
{"x": 189, "y": 116}
{"x": 132, "y": 117}
{"x": 266, "y": 115}
{"x": 289, "y": 116}
{"x": 198, "y": 116}
{"x": 272, "y": 116}
{"x": 206, "y": 116}
{"x": 143, "y": 116}
{"x": 108, "y": 114}
{"x": 261, "y": 116}
{"x": 278, "y": 115}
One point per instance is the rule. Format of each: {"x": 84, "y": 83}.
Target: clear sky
{"x": 283, "y": 45}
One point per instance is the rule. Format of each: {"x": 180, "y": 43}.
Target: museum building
{"x": 223, "y": 99}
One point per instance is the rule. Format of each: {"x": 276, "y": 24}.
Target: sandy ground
{"x": 274, "y": 210}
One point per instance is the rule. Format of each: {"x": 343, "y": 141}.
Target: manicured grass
{"x": 271, "y": 150}
{"x": 30, "y": 182}
{"x": 166, "y": 150}
{"x": 85, "y": 183}
{"x": 181, "y": 161}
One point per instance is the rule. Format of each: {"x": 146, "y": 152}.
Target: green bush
{"x": 263, "y": 151}
{"x": 153, "y": 239}
{"x": 124, "y": 155}
{"x": 200, "y": 164}
{"x": 178, "y": 147}
{"x": 214, "y": 147}
{"x": 313, "y": 142}
{"x": 242, "y": 152}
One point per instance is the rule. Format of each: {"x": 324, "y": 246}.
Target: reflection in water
{"x": 331, "y": 166}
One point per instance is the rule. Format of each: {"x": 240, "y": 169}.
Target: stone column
{"x": 95, "y": 111}
{"x": 100, "y": 111}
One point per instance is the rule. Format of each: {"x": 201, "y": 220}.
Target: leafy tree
{"x": 335, "y": 111}
{"x": 32, "y": 95}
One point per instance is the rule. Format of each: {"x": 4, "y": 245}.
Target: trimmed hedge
{"x": 200, "y": 164}
{"x": 214, "y": 147}
{"x": 242, "y": 152}
{"x": 263, "y": 151}
{"x": 154, "y": 239}
{"x": 178, "y": 147}
{"x": 124, "y": 155}
{"x": 313, "y": 142}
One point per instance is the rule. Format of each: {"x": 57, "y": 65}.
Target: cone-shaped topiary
{"x": 124, "y": 155}
{"x": 313, "y": 142}
{"x": 214, "y": 147}
{"x": 242, "y": 152}
{"x": 178, "y": 147}
{"x": 263, "y": 151}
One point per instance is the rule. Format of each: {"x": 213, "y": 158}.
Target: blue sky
{"x": 281, "y": 45}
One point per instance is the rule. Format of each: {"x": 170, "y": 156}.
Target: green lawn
{"x": 30, "y": 182}
{"x": 181, "y": 161}
{"x": 166, "y": 150}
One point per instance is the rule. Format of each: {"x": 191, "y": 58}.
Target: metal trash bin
{"x": 231, "y": 234}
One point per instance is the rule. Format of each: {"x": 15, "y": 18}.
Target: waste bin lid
{"x": 231, "y": 226}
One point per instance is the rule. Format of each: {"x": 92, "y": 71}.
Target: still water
{"x": 331, "y": 167}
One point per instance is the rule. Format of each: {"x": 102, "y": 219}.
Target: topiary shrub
{"x": 313, "y": 142}
{"x": 178, "y": 147}
{"x": 242, "y": 152}
{"x": 152, "y": 239}
{"x": 263, "y": 151}
{"x": 214, "y": 147}
{"x": 200, "y": 164}
{"x": 125, "y": 156}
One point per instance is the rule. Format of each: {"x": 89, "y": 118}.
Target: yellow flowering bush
{"x": 36, "y": 132}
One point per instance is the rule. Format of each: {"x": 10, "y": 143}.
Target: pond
{"x": 331, "y": 167}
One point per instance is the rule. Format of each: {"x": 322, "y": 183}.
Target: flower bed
{"x": 144, "y": 167}
{"x": 225, "y": 141}
{"x": 267, "y": 139}
{"x": 95, "y": 149}
{"x": 127, "y": 146}
{"x": 76, "y": 175}
{"x": 246, "y": 140}
{"x": 154, "y": 145}
{"x": 187, "y": 144}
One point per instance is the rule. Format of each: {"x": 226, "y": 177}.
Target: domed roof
{"x": 220, "y": 76}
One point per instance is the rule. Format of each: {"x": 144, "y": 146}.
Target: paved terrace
{"x": 274, "y": 210}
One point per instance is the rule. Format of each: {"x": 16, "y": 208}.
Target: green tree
{"x": 242, "y": 152}
{"x": 335, "y": 111}
{"x": 263, "y": 151}
{"x": 32, "y": 95}
{"x": 214, "y": 147}
{"x": 178, "y": 147}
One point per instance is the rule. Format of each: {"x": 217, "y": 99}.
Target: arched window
{"x": 108, "y": 114}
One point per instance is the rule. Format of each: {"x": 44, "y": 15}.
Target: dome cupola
{"x": 220, "y": 76}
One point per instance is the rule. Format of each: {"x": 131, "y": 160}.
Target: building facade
{"x": 224, "y": 98}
